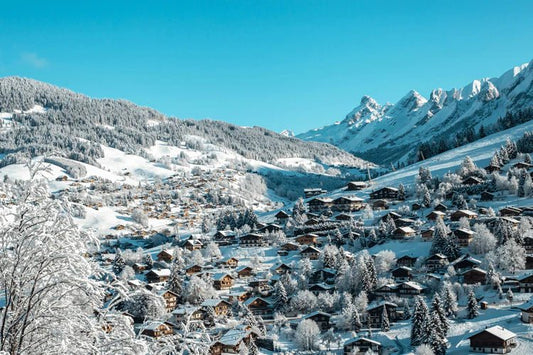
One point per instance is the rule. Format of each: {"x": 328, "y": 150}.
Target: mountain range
{"x": 392, "y": 133}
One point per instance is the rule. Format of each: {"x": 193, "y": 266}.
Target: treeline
{"x": 122, "y": 125}
{"x": 467, "y": 135}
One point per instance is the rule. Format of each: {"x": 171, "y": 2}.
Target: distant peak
{"x": 368, "y": 101}
{"x": 412, "y": 100}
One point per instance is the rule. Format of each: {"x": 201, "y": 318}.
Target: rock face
{"x": 391, "y": 132}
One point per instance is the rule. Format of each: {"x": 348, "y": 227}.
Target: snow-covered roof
{"x": 414, "y": 285}
{"x": 315, "y": 313}
{"x": 220, "y": 275}
{"x": 161, "y": 272}
{"x": 497, "y": 331}
{"x": 212, "y": 302}
{"x": 356, "y": 339}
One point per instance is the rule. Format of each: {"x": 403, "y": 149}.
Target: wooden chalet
{"x": 474, "y": 276}
{"x": 356, "y": 185}
{"x": 510, "y": 211}
{"x": 165, "y": 255}
{"x": 244, "y": 271}
{"x": 252, "y": 240}
{"x": 410, "y": 288}
{"x": 290, "y": 247}
{"x": 385, "y": 193}
{"x": 525, "y": 283}
{"x": 319, "y": 288}
{"x": 193, "y": 269}
{"x": 457, "y": 215}
{"x": 156, "y": 329}
{"x": 465, "y": 262}
{"x": 282, "y": 216}
{"x": 464, "y": 236}
{"x": 528, "y": 244}
{"x": 360, "y": 346}
{"x": 436, "y": 262}
{"x": 320, "y": 204}
{"x": 486, "y": 196}
{"x": 343, "y": 217}
{"x": 281, "y": 268}
{"x": 157, "y": 275}
{"x": 527, "y": 311}
{"x": 222, "y": 281}
{"x": 171, "y": 299}
{"x": 433, "y": 215}
{"x": 404, "y": 232}
{"x": 406, "y": 260}
{"x": 311, "y": 253}
{"x": 307, "y": 239}
{"x": 259, "y": 306}
{"x": 220, "y": 307}
{"x": 192, "y": 244}
{"x": 441, "y": 207}
{"x": 311, "y": 192}
{"x": 492, "y": 168}
{"x": 140, "y": 267}
{"x": 225, "y": 237}
{"x": 380, "y": 204}
{"x": 493, "y": 340}
{"x": 324, "y": 275}
{"x": 427, "y": 234}
{"x": 348, "y": 203}
{"x": 233, "y": 341}
{"x": 522, "y": 165}
{"x": 374, "y": 313}
{"x": 391, "y": 215}
{"x": 404, "y": 222}
{"x": 402, "y": 273}
{"x": 322, "y": 319}
{"x": 229, "y": 262}
{"x": 472, "y": 180}
{"x": 270, "y": 228}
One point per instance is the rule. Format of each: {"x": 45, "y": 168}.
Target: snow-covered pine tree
{"x": 419, "y": 320}
{"x": 439, "y": 316}
{"x": 385, "y": 324}
{"x": 118, "y": 263}
{"x": 472, "y": 308}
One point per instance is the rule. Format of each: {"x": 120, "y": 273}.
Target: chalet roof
{"x": 381, "y": 304}
{"x": 226, "y": 233}
{"x": 321, "y": 200}
{"x": 349, "y": 198}
{"x": 438, "y": 213}
{"x": 414, "y": 285}
{"x": 220, "y": 275}
{"x": 212, "y": 302}
{"x": 252, "y": 299}
{"x": 474, "y": 269}
{"x": 233, "y": 337}
{"x": 466, "y": 257}
{"x": 316, "y": 313}
{"x": 281, "y": 214}
{"x": 163, "y": 291}
{"x": 403, "y": 268}
{"x": 408, "y": 257}
{"x": 310, "y": 249}
{"x": 406, "y": 230}
{"x": 160, "y": 272}
{"x": 466, "y": 212}
{"x": 526, "y": 306}
{"x": 358, "y": 183}
{"x": 361, "y": 339}
{"x": 153, "y": 325}
{"x": 280, "y": 265}
{"x": 437, "y": 256}
{"x": 497, "y": 331}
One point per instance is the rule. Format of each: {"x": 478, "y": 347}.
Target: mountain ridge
{"x": 391, "y": 132}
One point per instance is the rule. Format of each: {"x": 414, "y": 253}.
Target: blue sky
{"x": 277, "y": 64}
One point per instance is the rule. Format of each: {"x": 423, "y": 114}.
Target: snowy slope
{"x": 388, "y": 133}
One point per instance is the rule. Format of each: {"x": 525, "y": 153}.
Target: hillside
{"x": 393, "y": 132}
{"x": 39, "y": 118}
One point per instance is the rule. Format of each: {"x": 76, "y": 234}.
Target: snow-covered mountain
{"x": 392, "y": 132}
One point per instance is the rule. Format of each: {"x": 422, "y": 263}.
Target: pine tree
{"x": 149, "y": 261}
{"x": 356, "y": 320}
{"x": 439, "y": 316}
{"x": 435, "y": 340}
{"x": 281, "y": 300}
{"x": 401, "y": 192}
{"x": 449, "y": 301}
{"x": 419, "y": 320}
{"x": 472, "y": 307}
{"x": 385, "y": 324}
{"x": 118, "y": 263}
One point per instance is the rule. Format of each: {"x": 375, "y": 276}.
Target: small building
{"x": 281, "y": 268}
{"x": 474, "y": 276}
{"x": 244, "y": 271}
{"x": 259, "y": 306}
{"x": 402, "y": 273}
{"x": 165, "y": 255}
{"x": 457, "y": 215}
{"x": 225, "y": 237}
{"x": 404, "y": 232}
{"x": 492, "y": 168}
{"x": 313, "y": 192}
{"x": 311, "y": 253}
{"x": 282, "y": 216}
{"x": 348, "y": 203}
{"x": 320, "y": 288}
{"x": 360, "y": 346}
{"x": 385, "y": 193}
{"x": 465, "y": 262}
{"x": 441, "y": 207}
{"x": 406, "y": 260}
{"x": 464, "y": 236}
{"x": 493, "y": 340}
{"x": 307, "y": 239}
{"x": 472, "y": 180}
{"x": 486, "y": 196}
{"x": 427, "y": 234}
{"x": 410, "y": 288}
{"x": 220, "y": 307}
{"x": 433, "y": 215}
{"x": 193, "y": 269}
{"x": 171, "y": 299}
{"x": 156, "y": 329}
{"x": 222, "y": 281}
{"x": 510, "y": 211}
{"x": 522, "y": 165}
{"x": 229, "y": 262}
{"x": 290, "y": 247}
{"x": 321, "y": 319}
{"x": 380, "y": 204}
{"x": 375, "y": 312}
{"x": 436, "y": 262}
{"x": 525, "y": 283}
{"x": 320, "y": 204}
{"x": 252, "y": 240}
{"x": 356, "y": 185}
{"x": 158, "y": 275}
{"x": 527, "y": 311}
